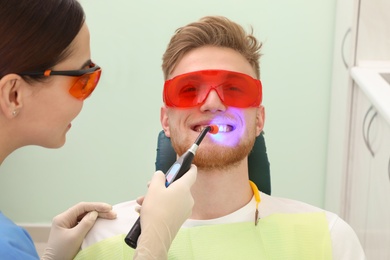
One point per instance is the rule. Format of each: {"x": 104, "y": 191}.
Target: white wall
{"x": 110, "y": 152}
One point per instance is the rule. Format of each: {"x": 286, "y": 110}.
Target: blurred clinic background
{"x": 110, "y": 151}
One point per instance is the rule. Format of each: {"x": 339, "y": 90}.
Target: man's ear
{"x": 260, "y": 117}
{"x": 10, "y": 95}
{"x": 164, "y": 120}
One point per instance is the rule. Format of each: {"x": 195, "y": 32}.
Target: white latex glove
{"x": 70, "y": 227}
{"x": 163, "y": 211}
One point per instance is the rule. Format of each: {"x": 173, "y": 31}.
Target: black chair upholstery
{"x": 258, "y": 164}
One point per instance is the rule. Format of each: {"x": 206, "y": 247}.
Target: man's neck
{"x": 220, "y": 192}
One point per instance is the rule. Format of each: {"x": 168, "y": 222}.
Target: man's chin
{"x": 221, "y": 158}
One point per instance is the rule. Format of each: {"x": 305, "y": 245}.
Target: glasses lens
{"x": 233, "y": 88}
{"x": 240, "y": 91}
{"x": 85, "y": 85}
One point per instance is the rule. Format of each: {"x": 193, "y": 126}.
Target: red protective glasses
{"x": 85, "y": 81}
{"x": 233, "y": 88}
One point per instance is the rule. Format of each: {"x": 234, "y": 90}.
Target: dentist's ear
{"x": 10, "y": 95}
{"x": 164, "y": 120}
{"x": 260, "y": 117}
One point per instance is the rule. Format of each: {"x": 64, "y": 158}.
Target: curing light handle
{"x": 181, "y": 166}
{"x": 133, "y": 235}
{"x": 177, "y": 170}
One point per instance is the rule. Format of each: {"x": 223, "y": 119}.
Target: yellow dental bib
{"x": 278, "y": 236}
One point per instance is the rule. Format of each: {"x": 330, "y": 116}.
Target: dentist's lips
{"x": 221, "y": 128}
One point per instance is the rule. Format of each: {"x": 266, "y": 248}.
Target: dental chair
{"x": 258, "y": 164}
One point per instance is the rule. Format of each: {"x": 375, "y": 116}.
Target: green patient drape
{"x": 278, "y": 236}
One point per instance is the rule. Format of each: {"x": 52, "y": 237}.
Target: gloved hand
{"x": 70, "y": 227}
{"x": 163, "y": 211}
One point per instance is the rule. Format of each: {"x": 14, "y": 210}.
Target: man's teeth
{"x": 221, "y": 128}
{"x": 224, "y": 128}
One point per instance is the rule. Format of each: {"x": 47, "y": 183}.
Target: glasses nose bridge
{"x": 213, "y": 87}
{"x": 215, "y": 102}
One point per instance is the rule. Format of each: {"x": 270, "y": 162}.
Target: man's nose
{"x": 213, "y": 103}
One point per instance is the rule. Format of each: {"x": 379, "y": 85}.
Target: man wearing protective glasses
{"x": 211, "y": 68}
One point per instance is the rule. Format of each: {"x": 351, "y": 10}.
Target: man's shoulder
{"x": 274, "y": 205}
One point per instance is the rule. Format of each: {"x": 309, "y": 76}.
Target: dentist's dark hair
{"x": 35, "y": 35}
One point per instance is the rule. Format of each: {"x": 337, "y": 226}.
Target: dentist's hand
{"x": 163, "y": 211}
{"x": 70, "y": 227}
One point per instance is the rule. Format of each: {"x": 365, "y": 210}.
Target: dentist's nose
{"x": 213, "y": 103}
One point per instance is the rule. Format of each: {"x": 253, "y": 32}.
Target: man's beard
{"x": 216, "y": 156}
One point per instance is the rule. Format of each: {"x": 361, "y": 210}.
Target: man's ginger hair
{"x": 211, "y": 31}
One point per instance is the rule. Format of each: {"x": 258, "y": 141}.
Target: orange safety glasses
{"x": 233, "y": 88}
{"x": 85, "y": 81}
